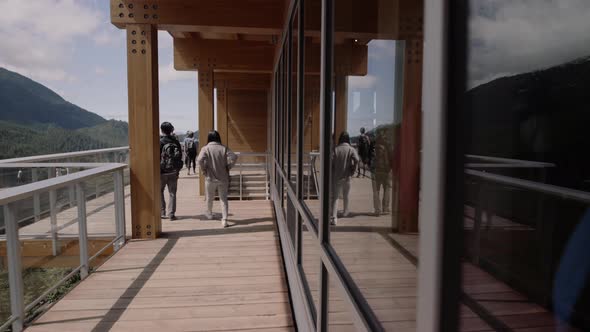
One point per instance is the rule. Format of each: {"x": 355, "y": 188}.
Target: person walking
{"x": 382, "y": 175}
{"x": 170, "y": 166}
{"x": 190, "y": 148}
{"x": 345, "y": 160}
{"x": 364, "y": 144}
{"x": 215, "y": 160}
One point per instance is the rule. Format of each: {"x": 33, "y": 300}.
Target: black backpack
{"x": 191, "y": 145}
{"x": 170, "y": 158}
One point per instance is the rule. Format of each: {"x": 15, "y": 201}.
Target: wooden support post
{"x": 411, "y": 17}
{"x": 205, "y": 113}
{"x": 144, "y": 133}
{"x": 341, "y": 116}
{"x": 222, "y": 113}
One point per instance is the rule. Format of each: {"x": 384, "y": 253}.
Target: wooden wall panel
{"x": 142, "y": 79}
{"x": 247, "y": 112}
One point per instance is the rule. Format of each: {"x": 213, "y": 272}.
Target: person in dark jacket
{"x": 170, "y": 166}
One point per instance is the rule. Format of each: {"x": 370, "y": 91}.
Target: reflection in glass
{"x": 367, "y": 91}
{"x": 527, "y": 192}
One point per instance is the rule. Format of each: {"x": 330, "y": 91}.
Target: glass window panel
{"x": 310, "y": 264}
{"x": 294, "y": 75}
{"x": 526, "y": 260}
{"x": 371, "y": 222}
{"x": 311, "y": 106}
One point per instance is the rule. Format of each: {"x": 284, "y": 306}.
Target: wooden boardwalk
{"x": 197, "y": 277}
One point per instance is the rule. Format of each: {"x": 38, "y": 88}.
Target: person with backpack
{"x": 215, "y": 160}
{"x": 344, "y": 163}
{"x": 190, "y": 149}
{"x": 381, "y": 166}
{"x": 364, "y": 144}
{"x": 170, "y": 166}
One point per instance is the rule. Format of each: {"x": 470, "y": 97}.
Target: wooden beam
{"x": 223, "y": 55}
{"x": 142, "y": 79}
{"x": 206, "y": 114}
{"x": 244, "y": 16}
{"x": 242, "y": 81}
{"x": 257, "y": 57}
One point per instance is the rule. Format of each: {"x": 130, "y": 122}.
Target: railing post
{"x": 119, "y": 208}
{"x": 36, "y": 201}
{"x": 475, "y": 245}
{"x": 96, "y": 188}
{"x": 72, "y": 196}
{"x": 241, "y": 182}
{"x": 15, "y": 278}
{"x": 266, "y": 175}
{"x": 53, "y": 221}
{"x": 83, "y": 232}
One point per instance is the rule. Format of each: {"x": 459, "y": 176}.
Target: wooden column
{"x": 206, "y": 114}
{"x": 341, "y": 116}
{"x": 222, "y": 113}
{"x": 411, "y": 18}
{"x": 142, "y": 79}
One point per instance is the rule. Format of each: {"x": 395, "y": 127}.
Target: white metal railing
{"x": 67, "y": 155}
{"x": 533, "y": 186}
{"x": 242, "y": 166}
{"x": 497, "y": 162}
{"x": 74, "y": 184}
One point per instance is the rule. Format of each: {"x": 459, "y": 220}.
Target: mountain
{"x": 27, "y": 102}
{"x": 542, "y": 115}
{"x": 34, "y": 120}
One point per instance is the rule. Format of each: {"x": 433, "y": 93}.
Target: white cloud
{"x": 167, "y": 73}
{"x": 36, "y": 36}
{"x": 110, "y": 37}
{"x": 510, "y": 37}
{"x": 99, "y": 71}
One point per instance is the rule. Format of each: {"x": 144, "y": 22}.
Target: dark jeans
{"x": 191, "y": 160}
{"x": 170, "y": 180}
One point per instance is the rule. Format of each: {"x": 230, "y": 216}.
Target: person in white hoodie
{"x": 215, "y": 161}
{"x": 345, "y": 160}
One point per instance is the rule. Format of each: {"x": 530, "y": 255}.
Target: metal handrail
{"x": 514, "y": 162}
{"x": 62, "y": 155}
{"x": 553, "y": 190}
{"x": 10, "y": 196}
{"x": 561, "y": 192}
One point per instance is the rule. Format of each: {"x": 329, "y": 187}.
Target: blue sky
{"x": 71, "y": 47}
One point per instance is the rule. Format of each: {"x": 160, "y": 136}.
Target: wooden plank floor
{"x": 197, "y": 277}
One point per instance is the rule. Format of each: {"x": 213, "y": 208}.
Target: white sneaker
{"x": 224, "y": 223}
{"x": 346, "y": 214}
{"x": 333, "y": 221}
{"x": 209, "y": 216}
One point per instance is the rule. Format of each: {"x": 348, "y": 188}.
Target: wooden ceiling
{"x": 243, "y": 36}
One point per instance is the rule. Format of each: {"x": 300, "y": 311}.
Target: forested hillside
{"x": 25, "y": 101}
{"x": 20, "y": 141}
{"x": 35, "y": 120}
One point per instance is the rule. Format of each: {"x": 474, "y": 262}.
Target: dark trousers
{"x": 170, "y": 180}
{"x": 191, "y": 160}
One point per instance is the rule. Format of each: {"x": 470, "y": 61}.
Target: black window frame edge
{"x": 456, "y": 139}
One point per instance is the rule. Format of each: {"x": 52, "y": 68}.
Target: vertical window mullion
{"x": 326, "y": 70}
